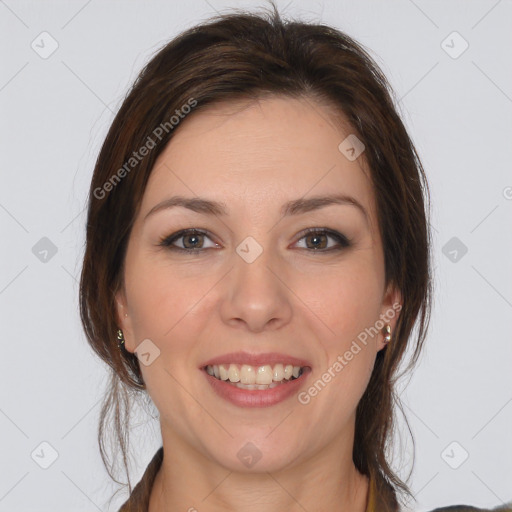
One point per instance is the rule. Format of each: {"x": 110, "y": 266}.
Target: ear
{"x": 124, "y": 320}
{"x": 390, "y": 311}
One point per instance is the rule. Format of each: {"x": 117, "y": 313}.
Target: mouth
{"x": 256, "y": 380}
{"x": 260, "y": 378}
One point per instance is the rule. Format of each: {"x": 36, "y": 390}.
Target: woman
{"x": 258, "y": 243}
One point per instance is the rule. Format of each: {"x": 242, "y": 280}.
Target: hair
{"x": 243, "y": 56}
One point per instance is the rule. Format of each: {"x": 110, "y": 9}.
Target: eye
{"x": 193, "y": 240}
{"x": 188, "y": 240}
{"x": 317, "y": 239}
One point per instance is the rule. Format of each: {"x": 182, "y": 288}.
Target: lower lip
{"x": 256, "y": 397}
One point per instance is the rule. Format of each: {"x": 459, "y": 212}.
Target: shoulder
{"x": 468, "y": 508}
{"x": 139, "y": 497}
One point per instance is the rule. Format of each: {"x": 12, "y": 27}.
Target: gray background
{"x": 55, "y": 112}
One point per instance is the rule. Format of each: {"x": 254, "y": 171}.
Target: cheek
{"x": 167, "y": 309}
{"x": 161, "y": 299}
{"x": 344, "y": 301}
{"x": 345, "y": 304}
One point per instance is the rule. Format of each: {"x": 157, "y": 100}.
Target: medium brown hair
{"x": 248, "y": 56}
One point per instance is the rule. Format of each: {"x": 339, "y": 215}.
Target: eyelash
{"x": 342, "y": 240}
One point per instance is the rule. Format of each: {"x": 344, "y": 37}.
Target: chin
{"x": 255, "y": 454}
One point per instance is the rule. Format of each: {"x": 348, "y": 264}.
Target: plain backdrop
{"x": 65, "y": 66}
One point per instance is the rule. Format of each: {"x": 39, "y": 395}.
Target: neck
{"x": 187, "y": 481}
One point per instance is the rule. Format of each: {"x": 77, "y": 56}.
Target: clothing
{"x": 378, "y": 495}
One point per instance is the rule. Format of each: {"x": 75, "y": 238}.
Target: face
{"x": 281, "y": 265}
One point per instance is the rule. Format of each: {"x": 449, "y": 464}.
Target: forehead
{"x": 259, "y": 151}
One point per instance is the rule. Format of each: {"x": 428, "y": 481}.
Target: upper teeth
{"x": 247, "y": 374}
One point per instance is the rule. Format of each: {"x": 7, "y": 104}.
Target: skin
{"x": 254, "y": 157}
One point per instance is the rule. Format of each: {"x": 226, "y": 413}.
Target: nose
{"x": 256, "y": 296}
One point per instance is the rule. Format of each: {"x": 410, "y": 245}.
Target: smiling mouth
{"x": 256, "y": 377}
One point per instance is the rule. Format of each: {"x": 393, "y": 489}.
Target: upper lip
{"x": 270, "y": 358}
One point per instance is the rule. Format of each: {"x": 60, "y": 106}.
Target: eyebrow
{"x": 294, "y": 207}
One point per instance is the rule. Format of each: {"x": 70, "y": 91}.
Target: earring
{"x": 120, "y": 338}
{"x": 387, "y": 336}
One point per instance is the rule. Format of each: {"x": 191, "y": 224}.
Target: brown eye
{"x": 321, "y": 240}
{"x": 193, "y": 241}
{"x": 188, "y": 240}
